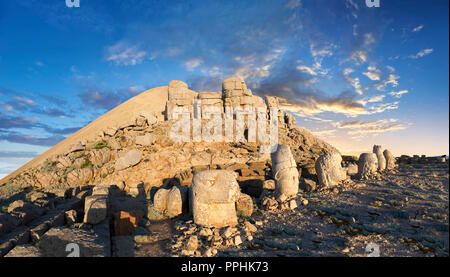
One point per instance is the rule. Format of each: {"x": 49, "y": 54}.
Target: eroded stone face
{"x": 329, "y": 170}
{"x": 381, "y": 160}
{"x": 214, "y": 193}
{"x": 390, "y": 160}
{"x": 178, "y": 90}
{"x": 367, "y": 165}
{"x": 285, "y": 171}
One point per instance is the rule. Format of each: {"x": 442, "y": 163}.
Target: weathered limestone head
{"x": 367, "y": 165}
{"x": 285, "y": 173}
{"x": 329, "y": 170}
{"x": 177, "y": 90}
{"x": 381, "y": 160}
{"x": 390, "y": 160}
{"x": 234, "y": 87}
{"x": 213, "y": 197}
{"x": 377, "y": 148}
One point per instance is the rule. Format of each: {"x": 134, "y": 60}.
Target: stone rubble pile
{"x": 36, "y": 228}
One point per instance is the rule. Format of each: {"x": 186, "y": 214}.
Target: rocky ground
{"x": 404, "y": 213}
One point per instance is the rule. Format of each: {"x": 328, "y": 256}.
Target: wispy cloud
{"x": 8, "y": 122}
{"x": 292, "y": 4}
{"x": 306, "y": 69}
{"x": 418, "y": 28}
{"x": 398, "y": 94}
{"x": 357, "y": 124}
{"x": 353, "y": 81}
{"x": 379, "y": 129}
{"x": 124, "y": 54}
{"x": 422, "y": 53}
{"x": 193, "y": 63}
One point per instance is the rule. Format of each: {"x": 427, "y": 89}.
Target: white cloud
{"x": 358, "y": 124}
{"x": 392, "y": 79}
{"x": 368, "y": 39}
{"x": 359, "y": 56}
{"x": 398, "y": 94}
{"x": 305, "y": 69}
{"x": 292, "y": 4}
{"x": 390, "y": 68}
{"x": 192, "y": 64}
{"x": 422, "y": 53}
{"x": 379, "y": 129}
{"x": 383, "y": 107}
{"x": 418, "y": 28}
{"x": 374, "y": 76}
{"x": 122, "y": 54}
{"x": 353, "y": 81}
{"x": 135, "y": 89}
{"x": 377, "y": 98}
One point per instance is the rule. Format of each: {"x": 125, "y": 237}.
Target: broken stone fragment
{"x": 214, "y": 193}
{"x": 244, "y": 204}
{"x": 95, "y": 209}
{"x": 210, "y": 252}
{"x": 237, "y": 240}
{"x": 15, "y": 205}
{"x": 177, "y": 200}
{"x": 71, "y": 217}
{"x": 192, "y": 243}
{"x": 100, "y": 190}
{"x": 160, "y": 200}
{"x": 145, "y": 140}
{"x": 269, "y": 184}
{"x": 269, "y": 203}
{"x": 151, "y": 118}
{"x": 249, "y": 227}
{"x": 76, "y": 147}
{"x": 110, "y": 131}
{"x": 308, "y": 185}
{"x": 292, "y": 204}
{"x": 131, "y": 158}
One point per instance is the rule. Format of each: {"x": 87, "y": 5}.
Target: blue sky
{"x": 353, "y": 75}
